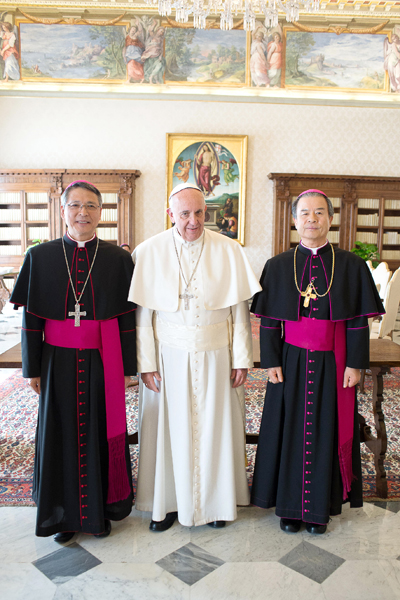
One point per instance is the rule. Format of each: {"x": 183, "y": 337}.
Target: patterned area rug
{"x": 18, "y": 411}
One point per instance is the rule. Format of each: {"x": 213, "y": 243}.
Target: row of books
{"x": 333, "y": 237}
{"x": 336, "y": 219}
{"x": 10, "y": 197}
{"x": 10, "y": 233}
{"x": 367, "y": 237}
{"x": 368, "y": 203}
{"x": 391, "y": 221}
{"x": 390, "y": 255}
{"x": 368, "y": 219}
{"x": 392, "y": 204}
{"x": 37, "y": 198}
{"x": 107, "y": 233}
{"x": 37, "y": 214}
{"x": 37, "y": 233}
{"x": 10, "y": 215}
{"x": 109, "y": 214}
{"x": 109, "y": 198}
{"x": 391, "y": 237}
{"x": 10, "y": 250}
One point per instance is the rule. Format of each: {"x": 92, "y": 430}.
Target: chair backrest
{"x": 382, "y": 275}
{"x": 391, "y": 304}
{"x": 370, "y": 267}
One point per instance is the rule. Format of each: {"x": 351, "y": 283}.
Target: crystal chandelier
{"x": 228, "y": 9}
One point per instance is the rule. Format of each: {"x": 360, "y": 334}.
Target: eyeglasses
{"x": 75, "y": 206}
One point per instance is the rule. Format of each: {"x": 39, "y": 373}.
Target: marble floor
{"x": 357, "y": 559}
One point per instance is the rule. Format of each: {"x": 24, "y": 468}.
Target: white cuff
{"x": 146, "y": 350}
{"x": 242, "y": 346}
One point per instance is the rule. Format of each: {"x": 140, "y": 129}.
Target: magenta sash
{"x": 103, "y": 335}
{"x": 316, "y": 334}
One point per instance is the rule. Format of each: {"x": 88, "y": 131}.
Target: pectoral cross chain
{"x": 186, "y": 297}
{"x": 308, "y": 295}
{"x": 77, "y": 314}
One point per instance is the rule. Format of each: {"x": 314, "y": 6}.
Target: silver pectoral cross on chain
{"x": 77, "y": 314}
{"x": 186, "y": 297}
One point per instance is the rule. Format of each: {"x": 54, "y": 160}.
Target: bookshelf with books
{"x": 367, "y": 209}
{"x": 30, "y": 207}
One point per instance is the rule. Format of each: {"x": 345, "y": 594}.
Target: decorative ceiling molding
{"x": 340, "y": 9}
{"x": 71, "y": 20}
{"x": 339, "y": 29}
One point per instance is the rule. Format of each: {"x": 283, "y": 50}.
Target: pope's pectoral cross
{"x": 186, "y": 297}
{"x": 77, "y": 314}
{"x": 308, "y": 295}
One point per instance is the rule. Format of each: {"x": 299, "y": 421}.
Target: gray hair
{"x": 80, "y": 184}
{"x": 331, "y": 210}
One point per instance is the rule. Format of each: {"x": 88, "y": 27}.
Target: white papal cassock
{"x": 192, "y": 433}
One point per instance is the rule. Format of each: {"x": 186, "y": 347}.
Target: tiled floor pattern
{"x": 251, "y": 559}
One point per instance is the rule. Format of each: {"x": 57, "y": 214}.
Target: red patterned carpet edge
{"x": 18, "y": 413}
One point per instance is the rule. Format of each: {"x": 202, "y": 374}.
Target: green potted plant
{"x": 367, "y": 252}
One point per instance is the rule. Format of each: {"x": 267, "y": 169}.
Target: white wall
{"x": 130, "y": 134}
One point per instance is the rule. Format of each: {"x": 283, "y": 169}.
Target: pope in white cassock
{"x": 194, "y": 346}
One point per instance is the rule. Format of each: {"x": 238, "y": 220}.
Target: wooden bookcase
{"x": 367, "y": 209}
{"x": 30, "y": 207}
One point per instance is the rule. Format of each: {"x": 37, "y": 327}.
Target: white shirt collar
{"x": 315, "y": 250}
{"x": 81, "y": 244}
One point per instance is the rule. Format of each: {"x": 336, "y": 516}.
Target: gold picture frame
{"x": 218, "y": 165}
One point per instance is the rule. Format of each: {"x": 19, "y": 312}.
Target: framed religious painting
{"x": 217, "y": 165}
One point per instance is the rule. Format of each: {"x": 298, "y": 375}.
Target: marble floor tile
{"x": 190, "y": 563}
{"x": 68, "y": 562}
{"x": 18, "y": 543}
{"x": 392, "y": 506}
{"x": 132, "y": 541}
{"x": 364, "y": 580}
{"x": 255, "y": 536}
{"x": 312, "y": 562}
{"x": 124, "y": 582}
{"x": 255, "y": 581}
{"x": 23, "y": 581}
{"x": 362, "y": 534}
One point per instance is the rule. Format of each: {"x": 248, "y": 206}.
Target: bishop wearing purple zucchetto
{"x": 314, "y": 339}
{"x": 78, "y": 352}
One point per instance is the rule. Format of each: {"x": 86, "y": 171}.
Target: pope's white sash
{"x": 192, "y": 338}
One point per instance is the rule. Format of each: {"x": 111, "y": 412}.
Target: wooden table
{"x": 11, "y": 359}
{"x": 383, "y": 355}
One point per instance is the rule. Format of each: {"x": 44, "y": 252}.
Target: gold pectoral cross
{"x": 77, "y": 314}
{"x": 308, "y": 295}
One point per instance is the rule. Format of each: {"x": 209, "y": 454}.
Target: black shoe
{"x": 165, "y": 524}
{"x": 217, "y": 524}
{"x": 290, "y": 525}
{"x": 63, "y": 536}
{"x": 107, "y": 530}
{"x": 315, "y": 528}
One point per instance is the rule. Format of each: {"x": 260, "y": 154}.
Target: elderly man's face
{"x": 312, "y": 220}
{"x": 188, "y": 212}
{"x": 81, "y": 213}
